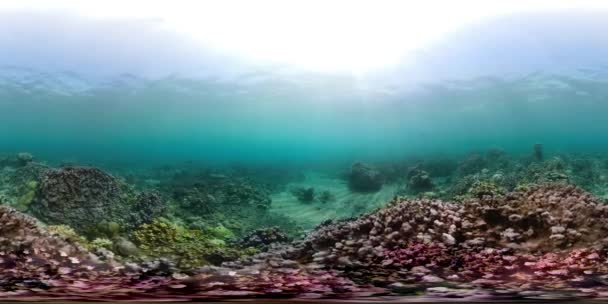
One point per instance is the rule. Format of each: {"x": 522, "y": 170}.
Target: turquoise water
{"x": 172, "y": 120}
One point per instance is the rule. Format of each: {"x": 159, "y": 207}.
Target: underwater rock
{"x": 364, "y": 178}
{"x": 326, "y": 196}
{"x": 24, "y": 158}
{"x": 77, "y": 196}
{"x": 419, "y": 181}
{"x": 16, "y": 160}
{"x": 84, "y": 197}
{"x": 234, "y": 202}
{"x": 472, "y": 164}
{"x": 264, "y": 237}
{"x": 147, "y": 207}
{"x": 30, "y": 251}
{"x": 125, "y": 247}
{"x": 484, "y": 189}
{"x": 188, "y": 248}
{"x": 208, "y": 195}
{"x": 21, "y": 176}
{"x": 304, "y": 195}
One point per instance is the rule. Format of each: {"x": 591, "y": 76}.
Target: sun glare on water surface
{"x": 322, "y": 36}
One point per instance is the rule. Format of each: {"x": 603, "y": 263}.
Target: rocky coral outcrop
{"x": 263, "y": 238}
{"x": 220, "y": 193}
{"x": 364, "y": 178}
{"x": 303, "y": 194}
{"x": 419, "y": 181}
{"x": 84, "y": 197}
{"x": 540, "y": 219}
{"x": 28, "y": 251}
{"x": 539, "y": 235}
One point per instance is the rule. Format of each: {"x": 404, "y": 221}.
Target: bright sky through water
{"x": 323, "y": 36}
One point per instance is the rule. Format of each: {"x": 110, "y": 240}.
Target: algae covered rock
{"x": 264, "y": 237}
{"x": 420, "y": 181}
{"x": 125, "y": 247}
{"x": 147, "y": 207}
{"x": 187, "y": 248}
{"x": 85, "y": 197}
{"x": 24, "y": 158}
{"x": 77, "y": 196}
{"x": 364, "y": 178}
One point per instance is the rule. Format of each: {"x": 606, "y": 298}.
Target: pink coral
{"x": 526, "y": 244}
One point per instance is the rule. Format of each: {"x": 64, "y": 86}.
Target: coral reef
{"x": 264, "y": 237}
{"x": 472, "y": 164}
{"x": 84, "y": 197}
{"x": 29, "y": 252}
{"x": 523, "y": 244}
{"x": 484, "y": 189}
{"x": 187, "y": 248}
{"x": 474, "y": 241}
{"x": 236, "y": 203}
{"x": 419, "y": 181}
{"x": 480, "y": 228}
{"x": 364, "y": 178}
